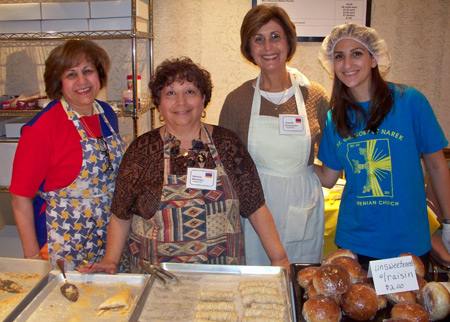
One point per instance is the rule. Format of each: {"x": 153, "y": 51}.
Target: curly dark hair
{"x": 70, "y": 54}
{"x": 180, "y": 69}
{"x": 260, "y": 15}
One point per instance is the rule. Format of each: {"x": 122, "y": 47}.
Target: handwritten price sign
{"x": 393, "y": 275}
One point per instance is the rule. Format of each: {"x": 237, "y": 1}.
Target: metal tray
{"x": 299, "y": 298}
{"x": 177, "y": 301}
{"x": 31, "y": 286}
{"x": 51, "y": 305}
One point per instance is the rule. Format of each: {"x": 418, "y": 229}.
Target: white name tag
{"x": 292, "y": 124}
{"x": 393, "y": 275}
{"x": 204, "y": 179}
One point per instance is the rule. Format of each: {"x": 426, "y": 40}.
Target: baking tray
{"x": 17, "y": 302}
{"x": 177, "y": 301}
{"x": 299, "y": 298}
{"x": 51, "y": 305}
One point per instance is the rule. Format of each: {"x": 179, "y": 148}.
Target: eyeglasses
{"x": 89, "y": 255}
{"x": 104, "y": 148}
{"x": 273, "y": 38}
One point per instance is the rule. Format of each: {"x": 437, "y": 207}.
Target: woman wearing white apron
{"x": 281, "y": 130}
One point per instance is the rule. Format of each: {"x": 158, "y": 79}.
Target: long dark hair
{"x": 348, "y": 115}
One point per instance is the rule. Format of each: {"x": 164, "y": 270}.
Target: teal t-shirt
{"x": 383, "y": 210}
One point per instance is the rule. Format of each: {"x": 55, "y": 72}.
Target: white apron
{"x": 292, "y": 190}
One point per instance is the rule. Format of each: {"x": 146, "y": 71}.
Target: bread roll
{"x": 321, "y": 309}
{"x": 396, "y": 320}
{"x": 410, "y": 310}
{"x": 305, "y": 275}
{"x": 360, "y": 302}
{"x": 408, "y": 296}
{"x": 311, "y": 290}
{"x": 421, "y": 282}
{"x": 382, "y": 302}
{"x": 351, "y": 266}
{"x": 418, "y": 264}
{"x": 331, "y": 280}
{"x": 436, "y": 300}
{"x": 338, "y": 253}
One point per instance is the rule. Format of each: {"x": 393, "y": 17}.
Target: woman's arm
{"x": 440, "y": 178}
{"x": 24, "y": 217}
{"x": 264, "y": 225}
{"x": 327, "y": 176}
{"x": 116, "y": 236}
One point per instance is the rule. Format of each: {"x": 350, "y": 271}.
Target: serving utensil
{"x": 154, "y": 269}
{"x": 69, "y": 290}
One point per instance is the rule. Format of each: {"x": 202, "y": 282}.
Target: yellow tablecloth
{"x": 331, "y": 215}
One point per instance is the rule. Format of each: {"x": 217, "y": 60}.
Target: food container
{"x": 176, "y": 301}
{"x": 94, "y": 289}
{"x": 31, "y": 275}
{"x": 300, "y": 298}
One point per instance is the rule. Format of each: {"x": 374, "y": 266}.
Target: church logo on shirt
{"x": 371, "y": 163}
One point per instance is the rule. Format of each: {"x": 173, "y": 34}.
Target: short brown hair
{"x": 180, "y": 69}
{"x": 68, "y": 55}
{"x": 257, "y": 17}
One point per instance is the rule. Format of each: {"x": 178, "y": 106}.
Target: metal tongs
{"x": 156, "y": 270}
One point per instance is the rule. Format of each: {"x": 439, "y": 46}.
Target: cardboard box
{"x": 110, "y": 9}
{"x": 66, "y": 10}
{"x": 20, "y": 11}
{"x": 65, "y": 25}
{"x": 12, "y": 128}
{"x": 23, "y": 26}
{"x": 118, "y": 8}
{"x": 110, "y": 24}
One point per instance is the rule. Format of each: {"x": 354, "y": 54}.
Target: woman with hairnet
{"x": 377, "y": 132}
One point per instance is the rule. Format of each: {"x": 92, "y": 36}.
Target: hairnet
{"x": 365, "y": 35}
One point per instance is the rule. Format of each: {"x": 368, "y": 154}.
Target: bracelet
{"x": 35, "y": 256}
{"x": 446, "y": 221}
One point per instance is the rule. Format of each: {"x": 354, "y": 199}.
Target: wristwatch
{"x": 446, "y": 221}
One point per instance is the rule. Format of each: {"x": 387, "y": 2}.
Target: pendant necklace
{"x": 279, "y": 101}
{"x": 193, "y": 157}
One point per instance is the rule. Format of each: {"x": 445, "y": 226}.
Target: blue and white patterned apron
{"x": 77, "y": 215}
{"x": 190, "y": 225}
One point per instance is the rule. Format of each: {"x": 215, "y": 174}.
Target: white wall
{"x": 417, "y": 33}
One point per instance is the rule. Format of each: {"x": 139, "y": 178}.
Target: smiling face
{"x": 181, "y": 105}
{"x": 353, "y": 65}
{"x": 270, "y": 55}
{"x": 80, "y": 86}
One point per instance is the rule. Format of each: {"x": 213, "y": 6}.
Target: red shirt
{"x": 49, "y": 153}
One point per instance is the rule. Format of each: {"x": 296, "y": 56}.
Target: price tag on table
{"x": 393, "y": 275}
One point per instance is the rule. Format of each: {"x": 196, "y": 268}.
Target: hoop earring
{"x": 161, "y": 118}
{"x": 203, "y": 114}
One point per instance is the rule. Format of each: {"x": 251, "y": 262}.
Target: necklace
{"x": 87, "y": 128}
{"x": 279, "y": 101}
{"x": 193, "y": 157}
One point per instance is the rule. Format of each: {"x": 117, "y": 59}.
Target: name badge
{"x": 292, "y": 124}
{"x": 204, "y": 179}
{"x": 393, "y": 275}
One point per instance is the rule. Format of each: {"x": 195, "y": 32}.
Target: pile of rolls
{"x": 339, "y": 287}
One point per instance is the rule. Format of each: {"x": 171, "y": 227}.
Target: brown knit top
{"x": 236, "y": 110}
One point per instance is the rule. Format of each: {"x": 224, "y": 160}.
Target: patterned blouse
{"x": 139, "y": 183}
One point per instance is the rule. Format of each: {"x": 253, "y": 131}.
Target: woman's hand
{"x": 104, "y": 266}
{"x": 284, "y": 262}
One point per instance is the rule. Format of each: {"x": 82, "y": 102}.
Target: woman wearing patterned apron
{"x": 280, "y": 115}
{"x": 183, "y": 188}
{"x": 76, "y": 152}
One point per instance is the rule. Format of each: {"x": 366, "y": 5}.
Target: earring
{"x": 203, "y": 114}
{"x": 161, "y": 118}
